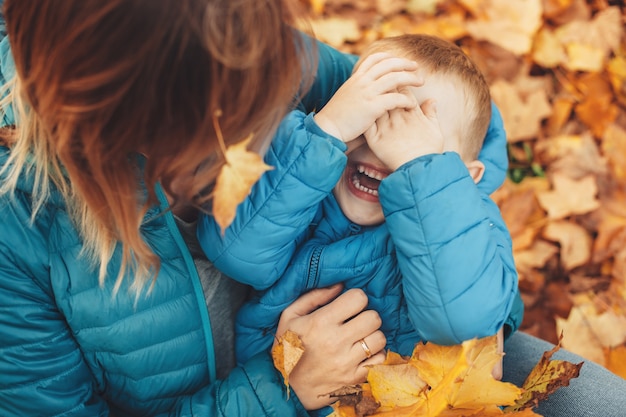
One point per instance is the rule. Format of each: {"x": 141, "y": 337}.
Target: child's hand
{"x": 402, "y": 135}
{"x": 369, "y": 93}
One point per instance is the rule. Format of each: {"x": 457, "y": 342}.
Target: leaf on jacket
{"x": 545, "y": 378}
{"x": 243, "y": 168}
{"x": 286, "y": 353}
{"x": 436, "y": 381}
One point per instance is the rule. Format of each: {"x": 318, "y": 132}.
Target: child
{"x": 405, "y": 221}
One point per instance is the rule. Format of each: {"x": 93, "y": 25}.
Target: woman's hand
{"x": 332, "y": 334}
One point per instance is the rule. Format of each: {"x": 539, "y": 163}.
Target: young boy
{"x": 403, "y": 216}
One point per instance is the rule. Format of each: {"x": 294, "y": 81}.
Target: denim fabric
{"x": 596, "y": 392}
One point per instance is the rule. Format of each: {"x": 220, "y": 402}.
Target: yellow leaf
{"x": 336, "y": 30}
{"x": 522, "y": 115}
{"x": 616, "y": 360}
{"x": 569, "y": 196}
{"x": 234, "y": 182}
{"x": 614, "y": 147}
{"x": 479, "y": 388}
{"x": 545, "y": 378}
{"x": 286, "y": 353}
{"x": 318, "y": 6}
{"x": 575, "y": 242}
{"x": 510, "y": 24}
{"x": 396, "y": 385}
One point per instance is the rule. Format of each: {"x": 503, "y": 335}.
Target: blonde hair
{"x": 101, "y": 82}
{"x": 438, "y": 56}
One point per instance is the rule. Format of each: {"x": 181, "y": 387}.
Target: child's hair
{"x": 438, "y": 56}
{"x": 101, "y": 81}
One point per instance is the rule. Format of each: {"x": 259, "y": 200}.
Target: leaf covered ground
{"x": 557, "y": 71}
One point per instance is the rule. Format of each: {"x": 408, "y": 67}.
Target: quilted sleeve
{"x": 255, "y": 249}
{"x": 256, "y": 389}
{"x": 333, "y": 69}
{"x": 453, "y": 248}
{"x": 42, "y": 369}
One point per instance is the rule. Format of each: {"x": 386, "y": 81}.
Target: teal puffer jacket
{"x": 69, "y": 348}
{"x": 439, "y": 269}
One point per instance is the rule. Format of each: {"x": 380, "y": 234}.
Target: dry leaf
{"x": 616, "y": 360}
{"x": 589, "y": 334}
{"x": 545, "y": 378}
{"x": 336, "y": 31}
{"x": 510, "y": 24}
{"x": 395, "y": 385}
{"x": 574, "y": 240}
{"x": 286, "y": 353}
{"x": 522, "y": 115}
{"x": 569, "y": 196}
{"x": 573, "y": 155}
{"x": 234, "y": 182}
{"x": 614, "y": 147}
{"x": 459, "y": 382}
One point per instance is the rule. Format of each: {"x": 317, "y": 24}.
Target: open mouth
{"x": 365, "y": 179}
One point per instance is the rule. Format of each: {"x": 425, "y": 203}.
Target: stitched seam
{"x": 41, "y": 380}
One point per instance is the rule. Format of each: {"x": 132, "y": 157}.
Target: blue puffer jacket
{"x": 69, "y": 348}
{"x": 441, "y": 267}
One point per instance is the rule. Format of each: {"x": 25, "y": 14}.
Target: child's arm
{"x": 256, "y": 248}
{"x": 453, "y": 247}
{"x": 308, "y": 160}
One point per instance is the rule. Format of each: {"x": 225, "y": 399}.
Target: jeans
{"x": 596, "y": 392}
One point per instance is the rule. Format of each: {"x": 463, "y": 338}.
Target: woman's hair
{"x": 441, "y": 57}
{"x": 114, "y": 96}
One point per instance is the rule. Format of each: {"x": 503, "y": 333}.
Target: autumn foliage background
{"x": 557, "y": 71}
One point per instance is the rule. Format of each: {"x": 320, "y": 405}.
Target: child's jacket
{"x": 440, "y": 269}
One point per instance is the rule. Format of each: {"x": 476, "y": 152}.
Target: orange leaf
{"x": 545, "y": 378}
{"x": 286, "y": 353}
{"x": 616, "y": 360}
{"x": 396, "y": 385}
{"x": 575, "y": 242}
{"x": 234, "y": 182}
{"x": 569, "y": 196}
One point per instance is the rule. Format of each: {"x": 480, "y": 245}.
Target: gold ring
{"x": 366, "y": 348}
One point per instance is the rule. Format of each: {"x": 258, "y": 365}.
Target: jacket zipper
{"x": 314, "y": 263}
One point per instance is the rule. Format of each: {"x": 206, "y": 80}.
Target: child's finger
{"x": 389, "y": 63}
{"x": 429, "y": 108}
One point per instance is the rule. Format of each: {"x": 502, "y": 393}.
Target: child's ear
{"x": 476, "y": 170}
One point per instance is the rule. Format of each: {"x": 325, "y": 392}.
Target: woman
{"x": 106, "y": 305}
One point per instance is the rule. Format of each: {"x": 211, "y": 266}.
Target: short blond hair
{"x": 441, "y": 57}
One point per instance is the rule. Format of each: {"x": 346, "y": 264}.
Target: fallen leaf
{"x": 234, "y": 182}
{"x": 544, "y": 379}
{"x": 614, "y": 147}
{"x": 286, "y": 353}
{"x": 536, "y": 256}
{"x": 569, "y": 196}
{"x": 395, "y": 384}
{"x": 616, "y": 360}
{"x": 522, "y": 115}
{"x": 335, "y": 31}
{"x": 575, "y": 156}
{"x": 575, "y": 242}
{"x": 510, "y": 24}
